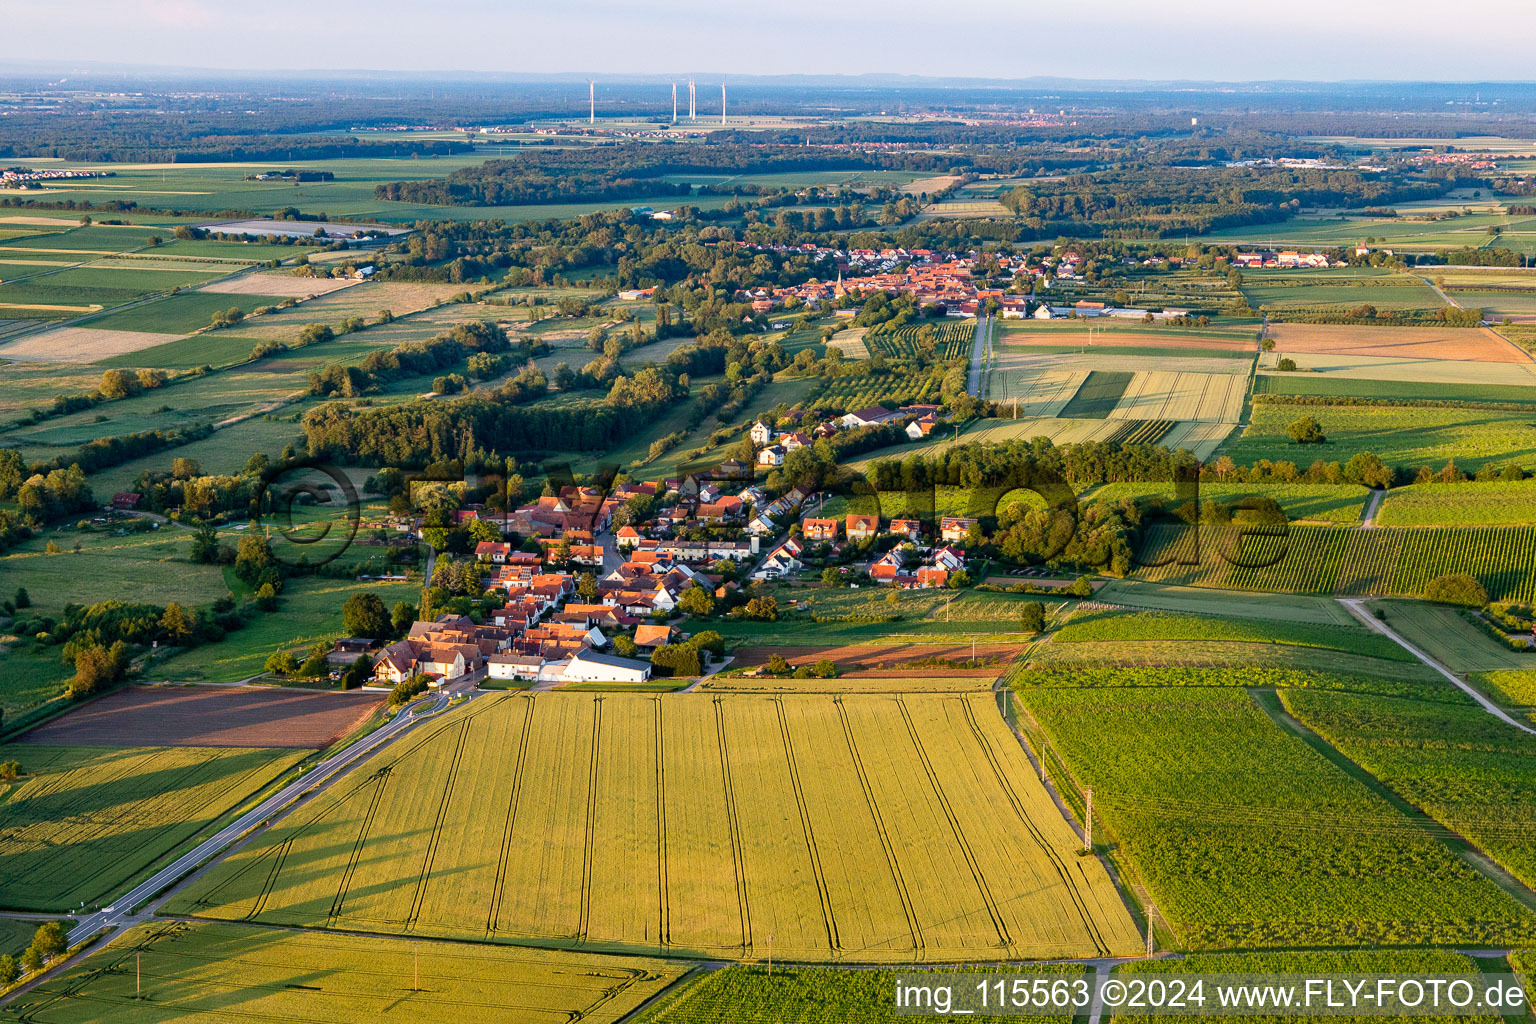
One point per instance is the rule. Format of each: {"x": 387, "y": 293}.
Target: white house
{"x": 761, "y": 433}
{"x": 513, "y": 666}
{"x": 588, "y": 666}
{"x": 773, "y": 455}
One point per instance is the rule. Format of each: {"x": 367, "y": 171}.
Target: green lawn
{"x": 310, "y": 610}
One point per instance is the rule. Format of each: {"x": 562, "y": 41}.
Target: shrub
{"x": 1456, "y": 588}
{"x": 1306, "y": 430}
{"x": 407, "y": 689}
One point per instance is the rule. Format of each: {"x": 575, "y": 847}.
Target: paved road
{"x": 978, "y": 354}
{"x": 120, "y": 912}
{"x": 1355, "y": 607}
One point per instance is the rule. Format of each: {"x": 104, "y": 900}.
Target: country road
{"x": 979, "y": 351}
{"x": 120, "y": 912}
{"x": 1354, "y": 605}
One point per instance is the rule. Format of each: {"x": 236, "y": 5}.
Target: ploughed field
{"x": 835, "y": 828}
{"x": 206, "y": 716}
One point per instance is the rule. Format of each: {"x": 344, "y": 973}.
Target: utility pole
{"x": 770, "y": 954}
{"x": 415, "y": 967}
{"x": 138, "y": 974}
{"x": 1151, "y": 938}
{"x": 1088, "y": 823}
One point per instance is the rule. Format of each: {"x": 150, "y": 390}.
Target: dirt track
{"x": 210, "y": 716}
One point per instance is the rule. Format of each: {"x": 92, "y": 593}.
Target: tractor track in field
{"x": 437, "y": 826}
{"x": 664, "y": 906}
{"x": 886, "y": 843}
{"x": 1004, "y": 939}
{"x": 733, "y": 819}
{"x": 1046, "y": 848}
{"x": 828, "y": 920}
{"x": 585, "y": 917}
{"x": 494, "y": 913}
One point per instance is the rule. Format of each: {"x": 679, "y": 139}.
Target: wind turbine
{"x": 592, "y": 102}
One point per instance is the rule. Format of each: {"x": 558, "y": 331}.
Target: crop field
{"x": 966, "y": 209}
{"x": 1046, "y": 670}
{"x": 934, "y": 605}
{"x": 82, "y": 345}
{"x": 1327, "y": 560}
{"x": 807, "y": 995}
{"x": 1101, "y": 627}
{"x": 1470, "y": 344}
{"x": 1099, "y": 395}
{"x": 857, "y": 682}
{"x": 178, "y": 971}
{"x": 1331, "y": 503}
{"x": 1231, "y": 603}
{"x": 1161, "y": 395}
{"x": 277, "y": 282}
{"x": 890, "y": 660}
{"x": 207, "y": 716}
{"x": 1038, "y": 392}
{"x": 695, "y": 826}
{"x": 178, "y": 314}
{"x": 1337, "y": 290}
{"x": 1246, "y": 836}
{"x": 1473, "y": 503}
{"x": 1515, "y": 687}
{"x": 952, "y": 340}
{"x": 1441, "y": 632}
{"x": 1400, "y": 436}
{"x": 1368, "y": 370}
{"x": 87, "y": 820}
{"x": 1417, "y": 962}
{"x": 1216, "y": 663}
{"x": 1335, "y": 386}
{"x": 1106, "y": 337}
{"x": 850, "y": 342}
{"x": 1471, "y": 772}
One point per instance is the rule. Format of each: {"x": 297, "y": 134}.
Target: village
{"x": 593, "y": 583}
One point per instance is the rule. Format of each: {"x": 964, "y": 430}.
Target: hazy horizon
{"x": 1106, "y": 40}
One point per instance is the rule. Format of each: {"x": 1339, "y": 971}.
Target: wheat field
{"x": 851, "y": 828}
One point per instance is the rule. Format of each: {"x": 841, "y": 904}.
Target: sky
{"x": 1208, "y": 40}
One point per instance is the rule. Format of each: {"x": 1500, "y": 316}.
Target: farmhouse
{"x": 869, "y": 417}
